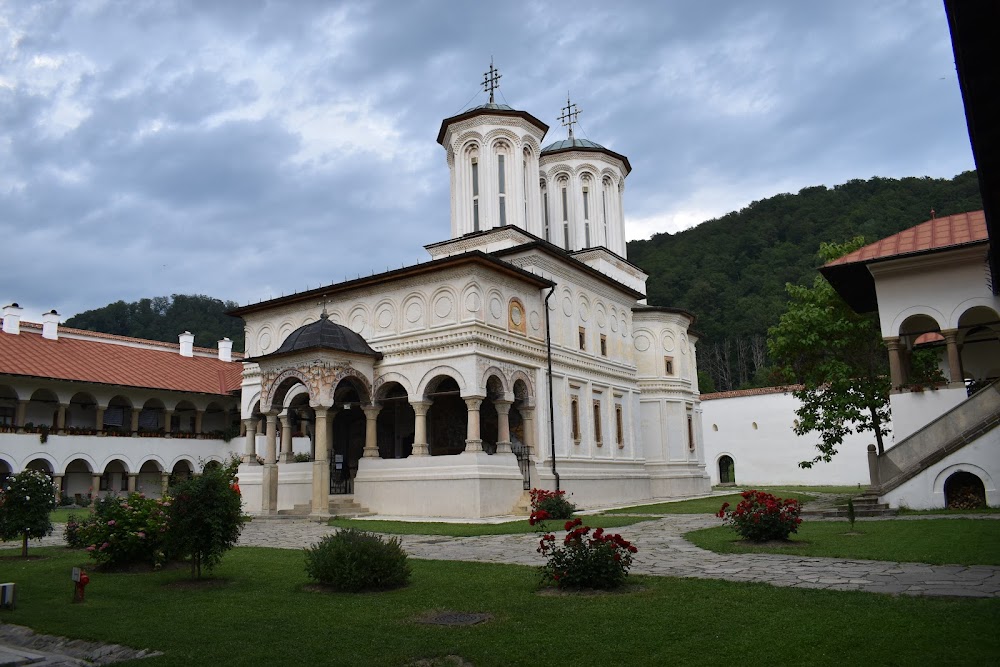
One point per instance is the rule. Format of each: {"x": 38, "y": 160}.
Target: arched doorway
{"x": 489, "y": 420}
{"x": 447, "y": 418}
{"x": 396, "y": 422}
{"x": 348, "y": 443}
{"x": 5, "y": 471}
{"x": 923, "y": 352}
{"x": 78, "y": 481}
{"x": 964, "y": 491}
{"x": 727, "y": 470}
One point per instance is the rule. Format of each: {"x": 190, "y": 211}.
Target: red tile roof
{"x": 935, "y": 234}
{"x": 114, "y": 363}
{"x": 757, "y": 391}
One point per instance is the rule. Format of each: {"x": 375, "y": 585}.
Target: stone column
{"x": 528, "y": 416}
{"x": 371, "y": 431}
{"x": 60, "y": 425}
{"x": 503, "y": 426}
{"x": 286, "y": 455}
{"x": 420, "y": 409}
{"x": 269, "y": 489}
{"x": 133, "y": 478}
{"x": 57, "y": 480}
{"x": 99, "y": 420}
{"x": 95, "y": 486}
{"x": 954, "y": 358}
{"x": 250, "y": 446}
{"x": 135, "y": 421}
{"x": 473, "y": 443}
{"x": 19, "y": 415}
{"x": 321, "y": 465}
{"x": 198, "y": 416}
{"x": 895, "y": 362}
{"x": 168, "y": 417}
{"x": 164, "y": 482}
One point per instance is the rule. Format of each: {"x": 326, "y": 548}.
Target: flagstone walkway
{"x": 664, "y": 552}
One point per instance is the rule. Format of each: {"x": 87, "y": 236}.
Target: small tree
{"x": 206, "y": 517}
{"x": 25, "y": 502}
{"x": 839, "y": 358}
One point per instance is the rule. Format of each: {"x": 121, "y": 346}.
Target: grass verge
{"x": 955, "y": 541}
{"x": 474, "y": 529}
{"x": 696, "y": 505}
{"x": 261, "y": 614}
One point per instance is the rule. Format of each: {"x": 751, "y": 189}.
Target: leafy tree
{"x": 206, "y": 516}
{"x": 25, "y": 502}
{"x": 839, "y": 358}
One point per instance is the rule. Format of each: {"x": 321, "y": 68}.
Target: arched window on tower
{"x": 586, "y": 210}
{"x": 475, "y": 190}
{"x": 564, "y": 194}
{"x": 524, "y": 173}
{"x": 604, "y": 209}
{"x": 502, "y": 181}
{"x": 545, "y": 209}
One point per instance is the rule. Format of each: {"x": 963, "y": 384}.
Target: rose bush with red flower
{"x": 586, "y": 559}
{"x": 760, "y": 516}
{"x": 553, "y": 503}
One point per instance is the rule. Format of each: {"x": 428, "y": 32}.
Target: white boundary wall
{"x": 755, "y": 429}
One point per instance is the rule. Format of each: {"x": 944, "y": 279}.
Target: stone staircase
{"x": 339, "y": 506}
{"x": 865, "y": 505}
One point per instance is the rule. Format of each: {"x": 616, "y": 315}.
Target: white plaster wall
{"x": 770, "y": 453}
{"x": 911, "y": 411}
{"x": 926, "y": 489}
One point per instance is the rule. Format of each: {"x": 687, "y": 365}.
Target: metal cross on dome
{"x": 491, "y": 80}
{"x": 570, "y": 115}
{"x": 324, "y": 315}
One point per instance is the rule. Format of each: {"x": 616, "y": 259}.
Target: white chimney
{"x": 12, "y": 319}
{"x": 225, "y": 350}
{"x": 187, "y": 344}
{"x": 50, "y": 325}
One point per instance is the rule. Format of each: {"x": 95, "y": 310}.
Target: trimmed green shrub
{"x": 353, "y": 560}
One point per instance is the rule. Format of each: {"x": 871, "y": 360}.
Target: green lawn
{"x": 474, "y": 529}
{"x": 262, "y": 615}
{"x": 940, "y": 542}
{"x": 849, "y": 490}
{"x": 709, "y": 505}
{"x": 984, "y": 510}
{"x": 60, "y": 515}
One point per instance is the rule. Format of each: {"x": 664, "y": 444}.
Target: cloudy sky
{"x": 249, "y": 149}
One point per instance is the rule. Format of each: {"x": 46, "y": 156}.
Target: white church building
{"x": 520, "y": 355}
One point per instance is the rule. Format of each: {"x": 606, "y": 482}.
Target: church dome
{"x": 326, "y": 335}
{"x": 571, "y": 143}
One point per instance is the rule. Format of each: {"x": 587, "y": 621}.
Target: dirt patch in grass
{"x": 552, "y": 591}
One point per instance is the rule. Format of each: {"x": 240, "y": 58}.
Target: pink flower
{"x": 111, "y": 523}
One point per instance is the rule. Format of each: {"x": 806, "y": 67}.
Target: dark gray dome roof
{"x": 326, "y": 335}
{"x": 572, "y": 143}
{"x": 492, "y": 107}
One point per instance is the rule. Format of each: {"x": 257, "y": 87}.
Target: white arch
{"x": 499, "y": 374}
{"x": 443, "y": 369}
{"x": 392, "y": 376}
{"x": 79, "y": 456}
{"x": 912, "y": 311}
{"x": 971, "y": 468}
{"x": 155, "y": 458}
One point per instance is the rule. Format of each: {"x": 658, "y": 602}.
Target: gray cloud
{"x": 248, "y": 149}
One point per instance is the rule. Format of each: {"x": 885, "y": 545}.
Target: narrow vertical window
{"x": 583, "y": 338}
{"x": 545, "y": 212}
{"x": 668, "y": 365}
{"x": 598, "y": 439}
{"x": 604, "y": 345}
{"x": 619, "y": 427}
{"x": 690, "y": 432}
{"x": 575, "y": 418}
{"x": 502, "y": 183}
{"x": 604, "y": 212}
{"x": 586, "y": 216}
{"x": 524, "y": 186}
{"x": 565, "y": 218}
{"x": 475, "y": 195}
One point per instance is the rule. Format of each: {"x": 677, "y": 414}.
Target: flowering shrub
{"x": 25, "y": 502}
{"x": 761, "y": 516}
{"x": 586, "y": 559}
{"x": 125, "y": 530}
{"x": 552, "y": 503}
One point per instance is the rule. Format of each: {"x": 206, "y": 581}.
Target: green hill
{"x": 731, "y": 271}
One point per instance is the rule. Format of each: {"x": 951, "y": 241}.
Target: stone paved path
{"x": 664, "y": 552}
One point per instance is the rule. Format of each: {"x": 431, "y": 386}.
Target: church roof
{"x": 849, "y": 274}
{"x": 586, "y": 145}
{"x": 324, "y": 334}
{"x": 118, "y": 361}
{"x": 491, "y": 109}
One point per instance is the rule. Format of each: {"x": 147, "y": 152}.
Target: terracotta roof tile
{"x": 935, "y": 234}
{"x": 757, "y": 391}
{"x": 114, "y": 363}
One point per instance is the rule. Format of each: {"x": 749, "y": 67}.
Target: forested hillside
{"x": 164, "y": 318}
{"x": 731, "y": 271}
